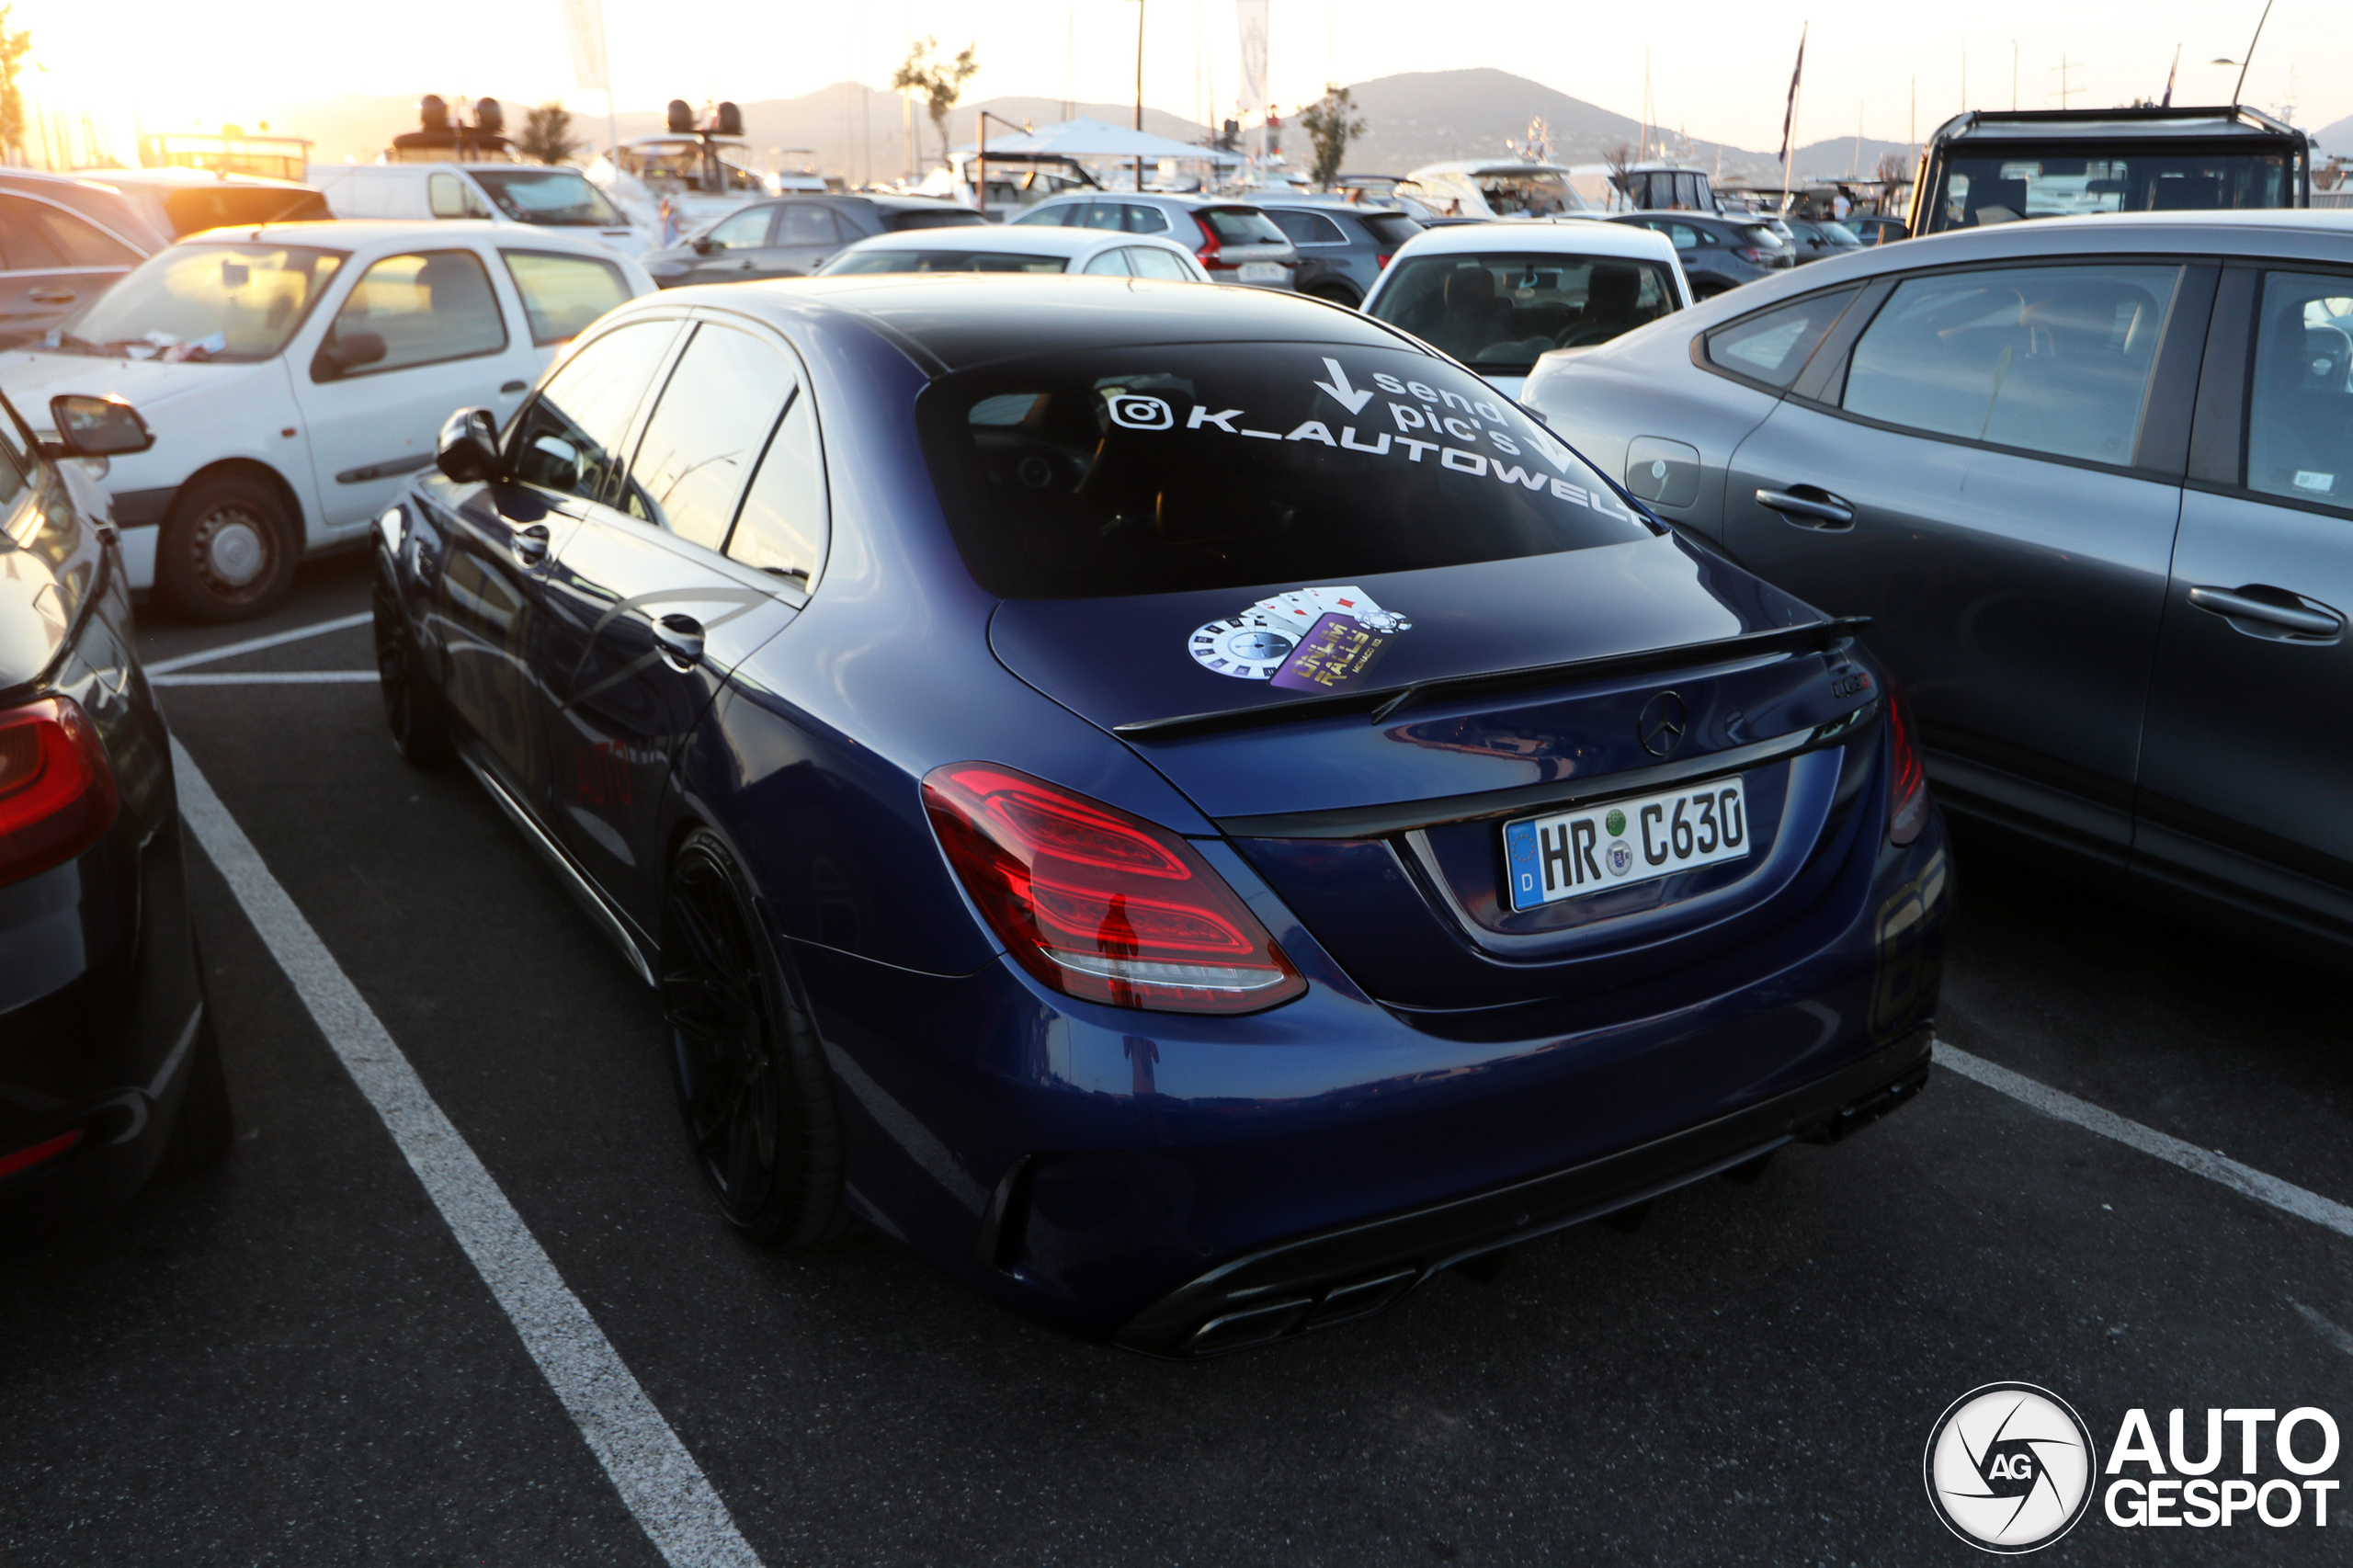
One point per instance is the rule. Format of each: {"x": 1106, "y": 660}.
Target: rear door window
{"x": 783, "y": 527}
{"x": 806, "y": 225}
{"x": 1110, "y": 264}
{"x": 81, "y": 243}
{"x": 2300, "y": 410}
{"x": 706, "y": 434}
{"x": 23, "y": 240}
{"x": 1773, "y": 345}
{"x": 745, "y": 231}
{"x": 1140, "y": 219}
{"x": 562, "y": 293}
{"x": 2050, "y": 359}
{"x": 1150, "y": 261}
{"x": 1160, "y": 469}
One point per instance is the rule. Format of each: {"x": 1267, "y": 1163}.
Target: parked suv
{"x": 1718, "y": 253}
{"x": 1341, "y": 249}
{"x": 63, "y": 243}
{"x": 1238, "y": 243}
{"x": 792, "y": 236}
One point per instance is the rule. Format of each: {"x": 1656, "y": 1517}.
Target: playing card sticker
{"x": 1318, "y": 639}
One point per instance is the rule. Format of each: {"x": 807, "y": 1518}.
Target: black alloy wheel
{"x": 414, "y": 708}
{"x": 751, "y": 1074}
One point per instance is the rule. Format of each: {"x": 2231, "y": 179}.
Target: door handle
{"x": 680, "y": 639}
{"x": 2239, "y": 604}
{"x": 511, "y": 388}
{"x": 1819, "y": 510}
{"x": 529, "y": 543}
{"x": 53, "y": 296}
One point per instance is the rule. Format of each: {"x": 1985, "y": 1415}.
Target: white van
{"x": 523, "y": 195}
{"x": 295, "y": 374}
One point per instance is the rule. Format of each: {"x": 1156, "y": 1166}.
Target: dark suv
{"x": 792, "y": 236}
{"x": 1342, "y": 248}
{"x": 1235, "y": 242}
{"x": 1718, "y": 253}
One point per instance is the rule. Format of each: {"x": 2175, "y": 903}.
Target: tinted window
{"x": 782, "y": 528}
{"x": 807, "y": 225}
{"x": 1307, "y": 228}
{"x": 78, "y": 242}
{"x": 946, "y": 218}
{"x": 1391, "y": 229}
{"x": 1150, "y": 261}
{"x": 2002, "y": 190}
{"x": 569, "y": 438}
{"x": 1142, "y": 220}
{"x": 1240, "y": 226}
{"x": 2299, "y": 414}
{"x": 1500, "y": 310}
{"x": 1158, "y": 469}
{"x": 428, "y": 307}
{"x": 747, "y": 229}
{"x": 715, "y": 414}
{"x": 2051, "y": 358}
{"x": 562, "y": 294}
{"x": 942, "y": 261}
{"x": 26, "y": 240}
{"x": 1773, "y": 346}
{"x": 1103, "y": 215}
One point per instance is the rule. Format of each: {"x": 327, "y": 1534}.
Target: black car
{"x": 1818, "y": 239}
{"x": 1718, "y": 253}
{"x": 792, "y": 236}
{"x": 108, "y": 1063}
{"x": 1342, "y": 248}
{"x": 63, "y": 243}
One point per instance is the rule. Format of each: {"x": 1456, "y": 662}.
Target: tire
{"x": 751, "y": 1075}
{"x": 227, "y": 551}
{"x": 203, "y": 1131}
{"x": 414, "y": 710}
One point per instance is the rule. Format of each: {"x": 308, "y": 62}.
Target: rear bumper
{"x": 1339, "y": 1275}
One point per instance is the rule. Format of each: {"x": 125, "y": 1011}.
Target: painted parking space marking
{"x": 658, "y": 1480}
{"x": 268, "y": 677}
{"x": 256, "y": 645}
{"x": 2244, "y": 1180}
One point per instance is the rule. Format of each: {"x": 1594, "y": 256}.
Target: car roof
{"x": 391, "y": 233}
{"x": 1177, "y": 198}
{"x": 1012, "y": 239}
{"x": 179, "y": 180}
{"x": 1575, "y": 237}
{"x": 958, "y": 321}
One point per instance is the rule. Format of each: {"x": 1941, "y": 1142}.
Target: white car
{"x": 1496, "y": 187}
{"x": 1497, "y": 296}
{"x": 1098, "y": 252}
{"x": 293, "y": 374}
{"x": 523, "y": 196}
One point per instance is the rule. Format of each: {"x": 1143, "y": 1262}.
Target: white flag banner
{"x": 583, "y": 26}
{"x": 1250, "y": 15}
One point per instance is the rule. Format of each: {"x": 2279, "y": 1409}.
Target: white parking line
{"x": 657, "y": 1478}
{"x": 270, "y": 677}
{"x": 2246, "y": 1180}
{"x": 256, "y": 645}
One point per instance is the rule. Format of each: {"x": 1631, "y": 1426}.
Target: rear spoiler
{"x": 1819, "y": 636}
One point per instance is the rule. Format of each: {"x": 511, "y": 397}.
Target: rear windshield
{"x": 944, "y": 261}
{"x": 1241, "y": 226}
{"x": 1499, "y": 309}
{"x": 197, "y": 207}
{"x": 1391, "y": 229}
{"x": 1164, "y": 469}
{"x": 946, "y": 218}
{"x": 1980, "y": 190}
{"x": 1759, "y": 236}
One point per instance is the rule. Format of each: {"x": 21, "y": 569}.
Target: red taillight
{"x": 57, "y": 794}
{"x": 1099, "y": 905}
{"x": 1908, "y": 794}
{"x": 39, "y": 1153}
{"x": 1381, "y": 259}
{"x": 1209, "y": 250}
{"x": 1752, "y": 255}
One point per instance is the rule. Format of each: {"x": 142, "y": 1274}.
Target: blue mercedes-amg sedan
{"x": 1181, "y": 805}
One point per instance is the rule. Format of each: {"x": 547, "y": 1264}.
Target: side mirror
{"x": 341, "y": 355}
{"x": 704, "y": 246}
{"x": 468, "y": 450}
{"x": 97, "y": 426}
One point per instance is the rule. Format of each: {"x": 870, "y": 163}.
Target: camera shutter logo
{"x": 1135, "y": 412}
{"x": 2009, "y": 1467}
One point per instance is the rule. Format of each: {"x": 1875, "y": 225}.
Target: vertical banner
{"x": 583, "y": 27}
{"x": 1250, "y": 15}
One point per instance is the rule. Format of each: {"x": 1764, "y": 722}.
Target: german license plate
{"x": 1261, "y": 272}
{"x": 1575, "y": 854}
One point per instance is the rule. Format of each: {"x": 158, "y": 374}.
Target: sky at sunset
{"x": 1718, "y": 70}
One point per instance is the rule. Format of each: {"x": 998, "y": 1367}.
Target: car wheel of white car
{"x": 226, "y": 550}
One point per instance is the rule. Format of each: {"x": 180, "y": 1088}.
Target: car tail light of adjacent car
{"x": 1101, "y": 904}
{"x": 1208, "y": 253}
{"x": 1380, "y": 259}
{"x": 57, "y": 794}
{"x": 1754, "y": 256}
{"x": 1908, "y": 803}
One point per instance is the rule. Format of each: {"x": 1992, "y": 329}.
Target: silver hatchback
{"x": 1235, "y": 242}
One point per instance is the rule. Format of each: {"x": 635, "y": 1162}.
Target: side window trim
{"x": 1825, "y": 375}
{"x": 2218, "y": 428}
{"x": 1699, "y": 340}
{"x": 2162, "y": 444}
{"x": 634, "y": 436}
{"x": 803, "y": 393}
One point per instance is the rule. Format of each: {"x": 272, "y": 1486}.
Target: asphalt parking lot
{"x": 290, "y": 1360}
